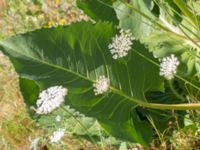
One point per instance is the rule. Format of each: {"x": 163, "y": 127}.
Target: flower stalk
{"x": 186, "y": 11}
{"x": 184, "y": 106}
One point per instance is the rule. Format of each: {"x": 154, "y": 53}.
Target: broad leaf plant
{"x": 120, "y": 83}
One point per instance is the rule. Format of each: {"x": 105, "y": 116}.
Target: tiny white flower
{"x": 58, "y": 118}
{"x": 50, "y": 99}
{"x": 101, "y": 85}
{"x": 168, "y": 66}
{"x": 57, "y": 135}
{"x": 121, "y": 44}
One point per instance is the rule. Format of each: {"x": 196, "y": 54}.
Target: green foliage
{"x": 76, "y": 56}
{"x": 64, "y": 57}
{"x": 77, "y": 125}
{"x": 131, "y": 16}
{"x": 169, "y": 44}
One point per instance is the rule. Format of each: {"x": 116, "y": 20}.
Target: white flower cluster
{"x": 101, "y": 85}
{"x": 168, "y": 66}
{"x": 121, "y": 44}
{"x": 50, "y": 99}
{"x": 57, "y": 135}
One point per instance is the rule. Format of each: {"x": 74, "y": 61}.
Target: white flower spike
{"x": 121, "y": 44}
{"x": 50, "y": 99}
{"x": 57, "y": 135}
{"x": 101, "y": 85}
{"x": 168, "y": 66}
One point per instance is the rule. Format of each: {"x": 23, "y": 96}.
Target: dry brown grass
{"x": 15, "y": 123}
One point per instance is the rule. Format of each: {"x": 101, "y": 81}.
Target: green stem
{"x": 187, "y": 36}
{"x": 185, "y": 106}
{"x": 174, "y": 11}
{"x": 91, "y": 138}
{"x": 155, "y": 128}
{"x": 181, "y": 5}
{"x": 187, "y": 82}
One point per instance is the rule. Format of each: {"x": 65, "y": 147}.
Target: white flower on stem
{"x": 101, "y": 85}
{"x": 57, "y": 135}
{"x": 121, "y": 44}
{"x": 168, "y": 66}
{"x": 50, "y": 99}
{"x": 58, "y": 118}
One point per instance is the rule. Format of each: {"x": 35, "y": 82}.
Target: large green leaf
{"x": 74, "y": 57}
{"x": 130, "y": 16}
{"x": 98, "y": 9}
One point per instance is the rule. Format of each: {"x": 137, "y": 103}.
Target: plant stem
{"x": 91, "y": 138}
{"x": 185, "y": 106}
{"x": 179, "y": 26}
{"x": 160, "y": 137}
{"x": 181, "y": 5}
